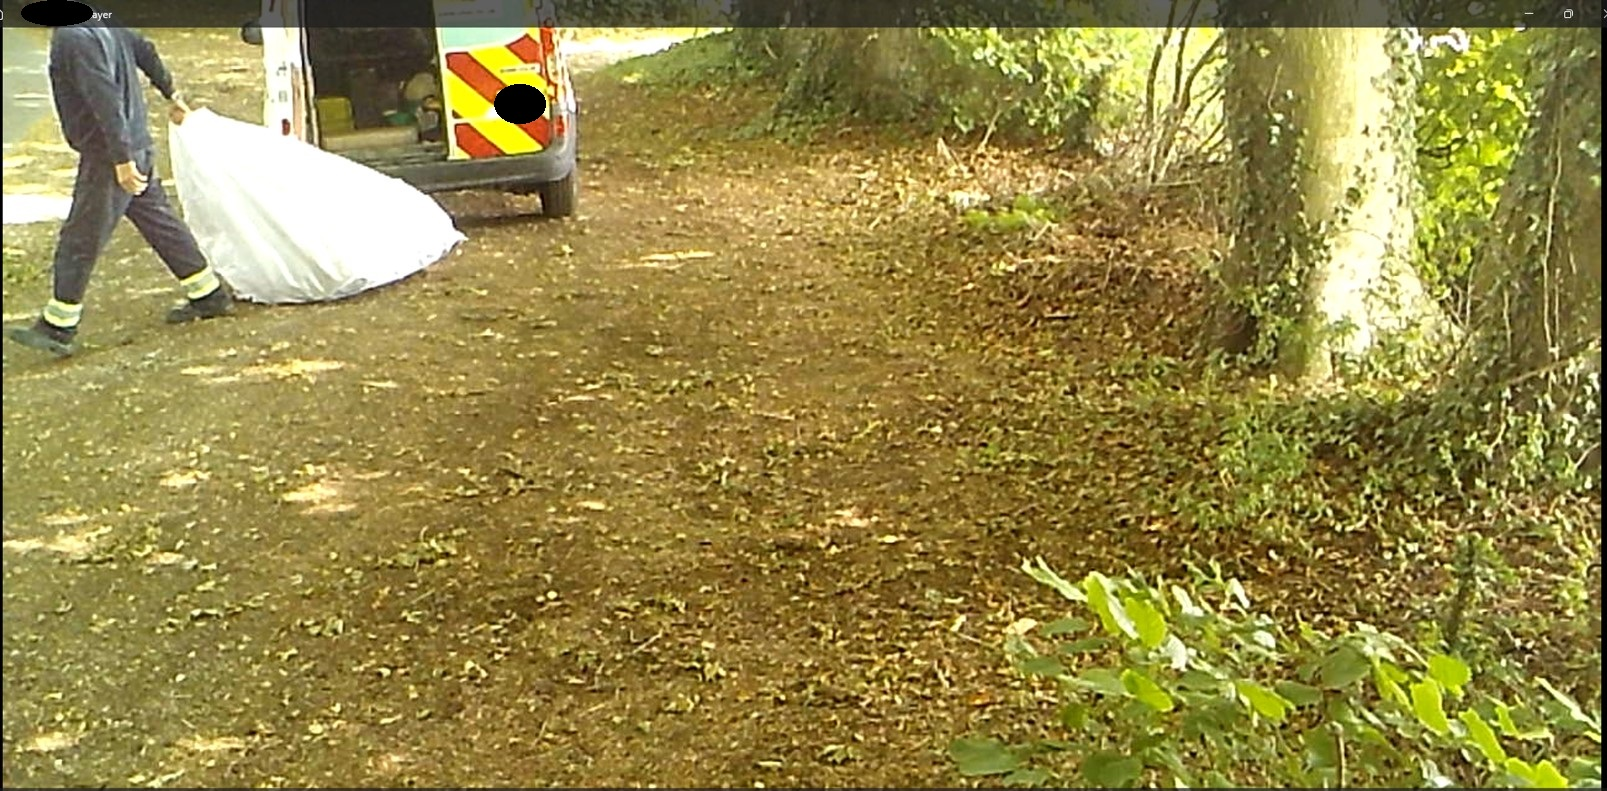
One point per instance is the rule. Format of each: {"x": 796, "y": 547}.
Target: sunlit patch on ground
{"x": 850, "y": 517}
{"x": 212, "y": 744}
{"x": 169, "y": 559}
{"x": 214, "y": 374}
{"x": 293, "y": 368}
{"x": 72, "y": 546}
{"x": 389, "y": 763}
{"x": 289, "y": 369}
{"x": 328, "y": 494}
{"x": 52, "y": 742}
{"x": 183, "y": 479}
{"x": 64, "y": 519}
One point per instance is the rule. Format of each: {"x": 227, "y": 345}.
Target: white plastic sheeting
{"x": 285, "y": 222}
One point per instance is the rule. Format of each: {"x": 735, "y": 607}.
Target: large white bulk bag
{"x": 284, "y": 221}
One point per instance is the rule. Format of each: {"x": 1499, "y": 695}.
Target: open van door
{"x": 478, "y": 61}
{"x": 285, "y": 106}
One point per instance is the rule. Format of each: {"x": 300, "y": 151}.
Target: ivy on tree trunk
{"x": 1537, "y": 283}
{"x": 1320, "y": 114}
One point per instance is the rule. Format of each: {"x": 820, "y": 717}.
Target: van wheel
{"x": 558, "y": 198}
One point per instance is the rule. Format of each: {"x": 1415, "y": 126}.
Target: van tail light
{"x": 549, "y": 64}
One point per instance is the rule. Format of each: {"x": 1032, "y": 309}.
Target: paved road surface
{"x": 27, "y": 91}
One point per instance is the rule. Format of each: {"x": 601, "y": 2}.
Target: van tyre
{"x": 559, "y": 198}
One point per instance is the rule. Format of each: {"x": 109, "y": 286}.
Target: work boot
{"x": 44, "y": 336}
{"x": 218, "y": 303}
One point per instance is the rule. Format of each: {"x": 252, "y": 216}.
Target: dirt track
{"x": 561, "y": 510}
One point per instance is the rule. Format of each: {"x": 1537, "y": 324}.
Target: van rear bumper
{"x": 510, "y": 172}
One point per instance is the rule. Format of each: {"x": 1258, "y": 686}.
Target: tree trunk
{"x": 1321, "y": 262}
{"x": 1536, "y": 286}
{"x": 863, "y": 71}
{"x": 1266, "y": 211}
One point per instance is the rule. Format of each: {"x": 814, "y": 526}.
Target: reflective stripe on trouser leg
{"x": 200, "y": 284}
{"x": 63, "y": 315}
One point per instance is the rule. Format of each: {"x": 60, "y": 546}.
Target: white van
{"x": 416, "y": 99}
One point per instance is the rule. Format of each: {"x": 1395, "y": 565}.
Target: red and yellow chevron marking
{"x": 473, "y": 79}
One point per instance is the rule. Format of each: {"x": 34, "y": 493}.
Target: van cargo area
{"x": 376, "y": 94}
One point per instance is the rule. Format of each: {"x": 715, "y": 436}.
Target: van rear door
{"x": 478, "y": 62}
{"x": 285, "y": 106}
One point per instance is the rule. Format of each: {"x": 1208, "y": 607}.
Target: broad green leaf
{"x": 1503, "y": 719}
{"x": 1593, "y": 724}
{"x": 1345, "y": 666}
{"x": 1146, "y": 690}
{"x": 982, "y": 757}
{"x": 1027, "y": 778}
{"x": 1483, "y": 737}
{"x": 1042, "y": 666}
{"x": 1064, "y": 626}
{"x": 1264, "y": 701}
{"x": 1105, "y": 769}
{"x": 1145, "y": 744}
{"x": 1547, "y": 776}
{"x": 1449, "y": 671}
{"x": 1149, "y": 622}
{"x": 1322, "y": 749}
{"x": 1110, "y": 611}
{"x": 1082, "y": 646}
{"x": 1299, "y": 694}
{"x": 1519, "y": 768}
{"x": 1042, "y": 573}
{"x": 1428, "y": 703}
{"x": 1101, "y": 680}
{"x": 1388, "y": 687}
{"x": 1200, "y": 679}
{"x": 1073, "y": 715}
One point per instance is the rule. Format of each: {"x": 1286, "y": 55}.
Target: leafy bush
{"x": 1062, "y": 83}
{"x": 1163, "y": 687}
{"x": 1472, "y": 116}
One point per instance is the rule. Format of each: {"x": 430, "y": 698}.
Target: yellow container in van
{"x": 335, "y": 115}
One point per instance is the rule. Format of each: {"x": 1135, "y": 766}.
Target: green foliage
{"x": 1275, "y": 461}
{"x": 1266, "y": 475}
{"x": 1024, "y": 213}
{"x": 704, "y": 61}
{"x": 1054, "y": 82}
{"x": 1210, "y": 693}
{"x": 1472, "y": 113}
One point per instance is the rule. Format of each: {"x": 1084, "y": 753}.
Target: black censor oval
{"x": 520, "y": 103}
{"x": 57, "y": 13}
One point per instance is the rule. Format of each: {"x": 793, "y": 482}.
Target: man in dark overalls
{"x": 101, "y": 105}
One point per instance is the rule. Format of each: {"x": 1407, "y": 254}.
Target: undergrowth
{"x": 1486, "y": 514}
{"x": 1183, "y": 685}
